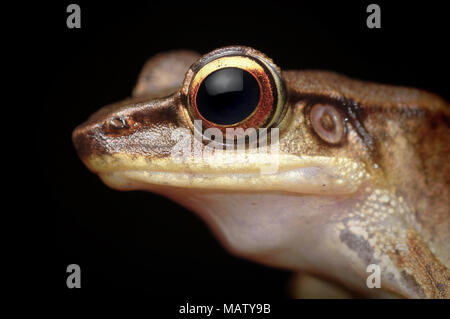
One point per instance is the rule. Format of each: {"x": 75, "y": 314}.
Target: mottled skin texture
{"x": 378, "y": 197}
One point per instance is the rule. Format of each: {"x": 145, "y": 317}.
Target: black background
{"x": 136, "y": 241}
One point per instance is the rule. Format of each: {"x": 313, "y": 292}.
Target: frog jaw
{"x": 268, "y": 173}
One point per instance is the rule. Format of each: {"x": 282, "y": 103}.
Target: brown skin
{"x": 397, "y": 138}
{"x": 412, "y": 157}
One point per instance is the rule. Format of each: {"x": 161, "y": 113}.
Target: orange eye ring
{"x": 269, "y": 108}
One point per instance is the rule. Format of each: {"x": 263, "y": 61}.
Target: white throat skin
{"x": 335, "y": 236}
{"x": 286, "y": 230}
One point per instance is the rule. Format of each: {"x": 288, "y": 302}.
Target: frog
{"x": 342, "y": 181}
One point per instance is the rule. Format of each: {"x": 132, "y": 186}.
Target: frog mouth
{"x": 306, "y": 175}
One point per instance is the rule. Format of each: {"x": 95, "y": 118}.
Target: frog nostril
{"x": 118, "y": 122}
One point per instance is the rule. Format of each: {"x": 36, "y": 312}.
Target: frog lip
{"x": 305, "y": 180}
{"x": 305, "y": 174}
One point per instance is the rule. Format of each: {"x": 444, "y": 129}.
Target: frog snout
{"x": 142, "y": 128}
{"x": 91, "y": 137}
{"x": 86, "y": 141}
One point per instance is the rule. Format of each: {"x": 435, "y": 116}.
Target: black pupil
{"x": 228, "y": 96}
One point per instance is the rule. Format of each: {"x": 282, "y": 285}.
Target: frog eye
{"x": 228, "y": 96}
{"x": 234, "y": 87}
{"x": 327, "y": 122}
